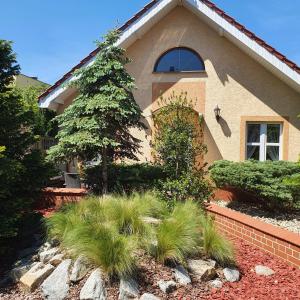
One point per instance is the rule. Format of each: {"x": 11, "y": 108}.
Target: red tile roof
{"x": 211, "y": 5}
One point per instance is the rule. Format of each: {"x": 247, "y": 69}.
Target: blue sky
{"x": 51, "y": 36}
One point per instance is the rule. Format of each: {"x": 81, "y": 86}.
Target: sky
{"x": 51, "y": 36}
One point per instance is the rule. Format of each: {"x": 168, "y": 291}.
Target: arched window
{"x": 179, "y": 60}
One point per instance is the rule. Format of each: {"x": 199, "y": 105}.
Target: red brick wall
{"x": 277, "y": 241}
{"x": 56, "y": 197}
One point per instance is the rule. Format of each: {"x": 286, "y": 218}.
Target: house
{"x": 195, "y": 47}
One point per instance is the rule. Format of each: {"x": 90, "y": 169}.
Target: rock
{"x": 35, "y": 276}
{"x": 216, "y": 284}
{"x": 16, "y": 273}
{"x": 147, "y": 296}
{"x": 167, "y": 286}
{"x": 151, "y": 221}
{"x": 94, "y": 288}
{"x": 182, "y": 276}
{"x": 231, "y": 275}
{"x": 46, "y": 246}
{"x": 202, "y": 269}
{"x": 56, "y": 286}
{"x": 45, "y": 256}
{"x": 129, "y": 289}
{"x": 56, "y": 260}
{"x": 80, "y": 269}
{"x": 263, "y": 271}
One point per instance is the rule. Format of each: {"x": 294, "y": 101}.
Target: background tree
{"x": 180, "y": 150}
{"x": 22, "y": 171}
{"x": 97, "y": 123}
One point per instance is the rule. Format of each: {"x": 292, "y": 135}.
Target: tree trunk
{"x": 104, "y": 172}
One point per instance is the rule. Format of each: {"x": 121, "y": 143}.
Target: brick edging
{"x": 279, "y": 242}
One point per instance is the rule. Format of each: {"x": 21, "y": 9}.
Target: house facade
{"x": 194, "y": 47}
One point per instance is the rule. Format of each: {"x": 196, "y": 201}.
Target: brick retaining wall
{"x": 277, "y": 241}
{"x": 56, "y": 197}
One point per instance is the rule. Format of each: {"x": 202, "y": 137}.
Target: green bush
{"x": 266, "y": 181}
{"x": 110, "y": 230}
{"x": 187, "y": 186}
{"x": 124, "y": 177}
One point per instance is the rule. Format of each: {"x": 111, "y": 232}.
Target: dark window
{"x": 179, "y": 60}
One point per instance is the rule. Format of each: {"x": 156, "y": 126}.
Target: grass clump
{"x": 109, "y": 231}
{"x": 214, "y": 244}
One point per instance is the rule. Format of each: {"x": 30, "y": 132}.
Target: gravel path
{"x": 288, "y": 221}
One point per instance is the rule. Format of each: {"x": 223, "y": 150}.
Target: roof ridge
{"x": 208, "y": 3}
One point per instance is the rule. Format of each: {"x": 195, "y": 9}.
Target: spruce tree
{"x": 97, "y": 124}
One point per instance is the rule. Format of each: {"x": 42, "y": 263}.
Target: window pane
{"x": 169, "y": 62}
{"x": 273, "y": 133}
{"x": 253, "y": 152}
{"x": 189, "y": 61}
{"x": 178, "y": 60}
{"x": 253, "y": 135}
{"x": 272, "y": 153}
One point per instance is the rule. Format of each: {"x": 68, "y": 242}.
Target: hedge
{"x": 265, "y": 181}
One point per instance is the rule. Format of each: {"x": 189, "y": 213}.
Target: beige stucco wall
{"x": 234, "y": 81}
{"x": 239, "y": 85}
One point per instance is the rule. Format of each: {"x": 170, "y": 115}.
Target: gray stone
{"x": 94, "y": 288}
{"x": 231, "y": 275}
{"x": 57, "y": 259}
{"x": 202, "y": 269}
{"x": 21, "y": 267}
{"x": 80, "y": 269}
{"x": 147, "y": 296}
{"x": 35, "y": 276}
{"x": 46, "y": 246}
{"x": 263, "y": 271}
{"x": 56, "y": 286}
{"x": 45, "y": 256}
{"x": 167, "y": 286}
{"x": 216, "y": 284}
{"x": 182, "y": 276}
{"x": 129, "y": 289}
{"x": 151, "y": 221}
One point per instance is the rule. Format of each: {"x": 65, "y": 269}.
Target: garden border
{"x": 279, "y": 242}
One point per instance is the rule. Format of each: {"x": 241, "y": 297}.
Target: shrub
{"x": 263, "y": 180}
{"x": 124, "y": 177}
{"x": 187, "y": 186}
{"x": 214, "y": 244}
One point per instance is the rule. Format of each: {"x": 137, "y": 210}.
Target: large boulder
{"x": 231, "y": 275}
{"x": 182, "y": 276}
{"x": 80, "y": 269}
{"x": 35, "y": 276}
{"x": 56, "y": 286}
{"x": 94, "y": 288}
{"x": 129, "y": 289}
{"x": 202, "y": 269}
{"x": 263, "y": 271}
{"x": 167, "y": 286}
{"x": 46, "y": 255}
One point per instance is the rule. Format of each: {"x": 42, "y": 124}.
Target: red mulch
{"x": 284, "y": 284}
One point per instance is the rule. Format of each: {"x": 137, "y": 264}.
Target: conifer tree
{"x": 97, "y": 124}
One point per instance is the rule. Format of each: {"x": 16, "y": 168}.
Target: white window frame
{"x": 263, "y": 140}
